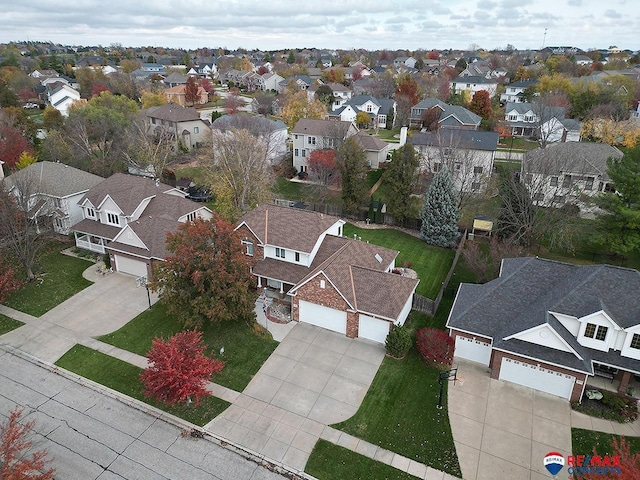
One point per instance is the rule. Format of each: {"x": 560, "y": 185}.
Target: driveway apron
{"x": 314, "y": 378}
{"x": 101, "y": 308}
{"x": 504, "y": 430}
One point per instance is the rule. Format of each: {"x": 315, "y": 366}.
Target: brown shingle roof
{"x": 285, "y": 227}
{"x": 173, "y": 113}
{"x": 153, "y": 233}
{"x": 96, "y": 228}
{"x": 369, "y": 143}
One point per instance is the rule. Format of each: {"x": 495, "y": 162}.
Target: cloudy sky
{"x": 275, "y": 24}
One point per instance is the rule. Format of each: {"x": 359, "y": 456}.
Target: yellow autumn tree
{"x": 151, "y": 99}
{"x": 25, "y": 160}
{"x": 298, "y": 106}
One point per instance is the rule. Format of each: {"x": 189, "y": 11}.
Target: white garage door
{"x": 536, "y": 377}
{"x": 473, "y": 350}
{"x": 130, "y": 266}
{"x": 324, "y": 317}
{"x": 373, "y": 328}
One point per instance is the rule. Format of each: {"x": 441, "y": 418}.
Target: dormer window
{"x": 90, "y": 213}
{"x": 635, "y": 341}
{"x": 597, "y": 332}
{"x": 113, "y": 219}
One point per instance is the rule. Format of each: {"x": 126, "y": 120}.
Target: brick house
{"x": 551, "y": 326}
{"x": 338, "y": 283}
{"x": 128, "y": 217}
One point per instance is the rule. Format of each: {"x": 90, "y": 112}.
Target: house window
{"x": 191, "y": 217}
{"x": 598, "y": 332}
{"x": 475, "y": 186}
{"x": 437, "y": 166}
{"x": 304, "y": 152}
{"x": 635, "y": 341}
{"x": 369, "y": 108}
{"x": 566, "y": 182}
{"x": 296, "y": 153}
{"x": 295, "y": 137}
{"x": 297, "y": 256}
{"x": 249, "y": 247}
{"x": 113, "y": 219}
{"x": 153, "y": 121}
{"x": 196, "y": 130}
{"x": 90, "y": 213}
{"x": 280, "y": 252}
{"x": 312, "y": 140}
{"x": 322, "y": 284}
{"x": 513, "y": 118}
{"x": 528, "y": 118}
{"x": 477, "y": 169}
{"x": 553, "y": 181}
{"x": 589, "y": 183}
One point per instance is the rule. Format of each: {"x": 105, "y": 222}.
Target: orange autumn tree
{"x": 15, "y": 461}
{"x": 179, "y": 370}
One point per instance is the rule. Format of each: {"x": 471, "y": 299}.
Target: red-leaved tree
{"x": 435, "y": 346}
{"x": 97, "y": 89}
{"x": 179, "y": 370}
{"x": 206, "y": 84}
{"x": 12, "y": 143}
{"x": 481, "y": 104}
{"x": 15, "y": 461}
{"x": 629, "y": 463}
{"x": 8, "y": 280}
{"x": 232, "y": 103}
{"x": 191, "y": 95}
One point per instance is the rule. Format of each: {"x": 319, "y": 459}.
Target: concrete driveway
{"x": 503, "y": 430}
{"x": 101, "y": 308}
{"x": 314, "y": 378}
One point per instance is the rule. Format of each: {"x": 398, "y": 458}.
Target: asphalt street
{"x": 91, "y": 435}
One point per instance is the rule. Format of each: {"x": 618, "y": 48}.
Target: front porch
{"x": 621, "y": 382}
{"x": 89, "y": 242}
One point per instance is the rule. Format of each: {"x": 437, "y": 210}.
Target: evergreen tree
{"x": 353, "y": 169}
{"x": 440, "y": 212}
{"x": 400, "y": 179}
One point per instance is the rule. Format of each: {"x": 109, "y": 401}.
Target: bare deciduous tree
{"x": 148, "y": 151}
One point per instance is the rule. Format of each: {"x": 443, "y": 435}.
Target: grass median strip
{"x": 329, "y": 461}
{"x": 584, "y": 441}
{"x": 245, "y": 350}
{"x": 125, "y": 378}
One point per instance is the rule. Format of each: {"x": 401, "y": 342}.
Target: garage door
{"x": 373, "y": 328}
{"x": 130, "y": 266}
{"x": 539, "y": 378}
{"x": 324, "y": 317}
{"x": 473, "y": 350}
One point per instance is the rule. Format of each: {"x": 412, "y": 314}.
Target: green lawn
{"x": 329, "y": 461}
{"x": 59, "y": 278}
{"x": 583, "y": 442}
{"x": 125, "y": 378}
{"x": 7, "y": 324}
{"x": 399, "y": 414}
{"x": 386, "y": 135}
{"x": 284, "y": 188}
{"x": 197, "y": 174}
{"x": 517, "y": 143}
{"x": 372, "y": 177}
{"x": 431, "y": 263}
{"x": 244, "y": 350}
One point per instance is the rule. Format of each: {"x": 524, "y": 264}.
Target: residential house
{"x": 404, "y": 62}
{"x": 61, "y": 96}
{"x": 473, "y": 84}
{"x": 178, "y": 95}
{"x": 375, "y": 150}
{"x": 40, "y": 74}
{"x": 341, "y": 93}
{"x": 568, "y": 173}
{"x": 302, "y": 82}
{"x": 129, "y": 216}
{"x": 583, "y": 60}
{"x": 310, "y": 134}
{"x": 541, "y": 121}
{"x": 451, "y": 116}
{"x": 273, "y": 133}
{"x": 183, "y": 123}
{"x": 175, "y": 79}
{"x": 337, "y": 283}
{"x": 270, "y": 81}
{"x": 387, "y": 112}
{"x": 468, "y": 154}
{"x": 55, "y": 189}
{"x": 482, "y": 68}
{"x": 514, "y": 92}
{"x": 360, "y": 103}
{"x": 205, "y": 70}
{"x": 551, "y": 326}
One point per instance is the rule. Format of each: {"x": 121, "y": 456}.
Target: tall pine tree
{"x": 401, "y": 178}
{"x": 440, "y": 212}
{"x": 353, "y": 170}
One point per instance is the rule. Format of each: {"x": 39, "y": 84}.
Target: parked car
{"x": 30, "y": 105}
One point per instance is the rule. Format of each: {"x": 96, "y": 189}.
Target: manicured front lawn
{"x": 583, "y": 442}
{"x": 7, "y": 324}
{"x": 431, "y": 263}
{"x": 59, "y": 278}
{"x": 329, "y": 461}
{"x": 399, "y": 414}
{"x": 244, "y": 350}
{"x": 125, "y": 378}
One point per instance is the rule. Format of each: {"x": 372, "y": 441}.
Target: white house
{"x": 514, "y": 91}
{"x": 360, "y": 103}
{"x": 61, "y": 97}
{"x": 310, "y": 134}
{"x": 270, "y": 81}
{"x": 524, "y": 119}
{"x": 473, "y": 84}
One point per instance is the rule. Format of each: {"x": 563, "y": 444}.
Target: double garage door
{"x": 336, "y": 320}
{"x": 129, "y": 265}
{"x": 536, "y": 377}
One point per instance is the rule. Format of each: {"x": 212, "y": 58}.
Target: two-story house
{"x": 450, "y": 116}
{"x": 551, "y": 326}
{"x": 61, "y": 96}
{"x": 514, "y": 92}
{"x": 54, "y": 190}
{"x": 270, "y": 81}
{"x": 568, "y": 173}
{"x": 541, "y": 121}
{"x": 468, "y": 154}
{"x": 360, "y": 103}
{"x": 341, "y": 94}
{"x": 337, "y": 283}
{"x": 310, "y": 134}
{"x": 182, "y": 123}
{"x": 473, "y": 84}
{"x": 128, "y": 217}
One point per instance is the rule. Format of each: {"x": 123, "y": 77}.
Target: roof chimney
{"x": 403, "y": 136}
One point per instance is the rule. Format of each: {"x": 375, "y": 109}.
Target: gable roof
{"x": 474, "y": 79}
{"x": 325, "y": 128}
{"x": 286, "y": 227}
{"x": 576, "y": 157}
{"x": 56, "y": 179}
{"x": 173, "y": 113}
{"x": 461, "y": 114}
{"x": 369, "y": 142}
{"x": 529, "y": 288}
{"x": 457, "y": 138}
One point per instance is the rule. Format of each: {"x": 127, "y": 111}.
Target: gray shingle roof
{"x": 461, "y": 114}
{"x": 529, "y": 288}
{"x": 456, "y": 138}
{"x": 173, "y": 113}
{"x": 56, "y": 179}
{"x": 585, "y": 158}
{"x": 309, "y": 126}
